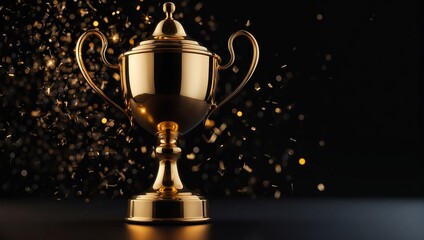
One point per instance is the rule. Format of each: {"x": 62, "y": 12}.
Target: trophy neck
{"x": 168, "y": 182}
{"x": 167, "y": 134}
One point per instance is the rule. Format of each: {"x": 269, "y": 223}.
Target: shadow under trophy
{"x": 168, "y": 84}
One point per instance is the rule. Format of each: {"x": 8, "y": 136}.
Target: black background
{"x": 367, "y": 105}
{"x": 351, "y": 70}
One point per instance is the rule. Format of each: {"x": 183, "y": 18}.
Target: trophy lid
{"x": 169, "y": 35}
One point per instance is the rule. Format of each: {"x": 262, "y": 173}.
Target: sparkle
{"x": 278, "y": 168}
{"x": 115, "y": 37}
{"x": 247, "y": 168}
{"x": 277, "y": 194}
{"x": 191, "y": 156}
{"x": 321, "y": 187}
{"x": 277, "y": 110}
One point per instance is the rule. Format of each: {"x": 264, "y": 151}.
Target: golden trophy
{"x": 168, "y": 84}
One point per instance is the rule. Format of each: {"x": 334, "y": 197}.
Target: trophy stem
{"x": 168, "y": 182}
{"x": 167, "y": 200}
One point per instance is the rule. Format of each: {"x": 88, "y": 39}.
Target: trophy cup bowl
{"x": 168, "y": 84}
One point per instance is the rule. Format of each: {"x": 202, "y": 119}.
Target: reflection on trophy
{"x": 168, "y": 83}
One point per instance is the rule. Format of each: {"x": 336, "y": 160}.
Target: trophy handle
{"x": 84, "y": 71}
{"x": 255, "y": 59}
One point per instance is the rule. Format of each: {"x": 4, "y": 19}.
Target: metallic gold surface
{"x": 168, "y": 84}
{"x": 188, "y": 232}
{"x": 167, "y": 200}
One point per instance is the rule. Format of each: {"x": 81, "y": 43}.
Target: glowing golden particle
{"x": 115, "y": 37}
{"x": 290, "y": 152}
{"x": 247, "y": 168}
{"x": 290, "y": 106}
{"x": 248, "y": 23}
{"x": 104, "y": 120}
{"x": 110, "y": 51}
{"x": 50, "y": 63}
{"x": 198, "y": 6}
{"x": 302, "y": 161}
{"x": 235, "y": 69}
{"x": 198, "y": 19}
{"x": 95, "y": 23}
{"x": 221, "y": 165}
{"x": 213, "y": 138}
{"x": 278, "y": 168}
{"x": 278, "y": 78}
{"x": 319, "y": 17}
{"x": 277, "y": 194}
{"x": 36, "y": 113}
{"x": 191, "y": 156}
{"x": 195, "y": 168}
{"x": 131, "y": 162}
{"x": 277, "y": 110}
{"x": 116, "y": 76}
{"x": 321, "y": 187}
{"x": 257, "y": 87}
{"x": 209, "y": 123}
{"x": 239, "y": 113}
{"x": 83, "y": 12}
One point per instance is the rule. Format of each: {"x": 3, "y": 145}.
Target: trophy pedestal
{"x": 167, "y": 201}
{"x": 184, "y": 207}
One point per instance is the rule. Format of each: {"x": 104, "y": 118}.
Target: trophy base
{"x": 181, "y": 208}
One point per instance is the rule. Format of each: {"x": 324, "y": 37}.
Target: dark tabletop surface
{"x": 360, "y": 218}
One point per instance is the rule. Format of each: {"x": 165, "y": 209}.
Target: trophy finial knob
{"x": 169, "y": 9}
{"x": 169, "y": 28}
